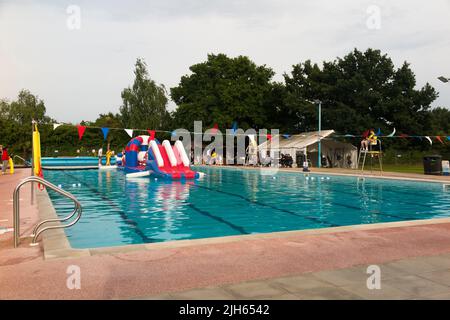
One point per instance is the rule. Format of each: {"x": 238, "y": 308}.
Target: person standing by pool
{"x": 5, "y": 159}
{"x": 109, "y": 153}
{"x": 213, "y": 158}
{"x": 100, "y": 155}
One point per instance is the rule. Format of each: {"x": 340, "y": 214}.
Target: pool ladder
{"x": 27, "y": 163}
{"x": 38, "y": 229}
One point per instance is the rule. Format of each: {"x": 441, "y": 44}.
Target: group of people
{"x": 5, "y": 158}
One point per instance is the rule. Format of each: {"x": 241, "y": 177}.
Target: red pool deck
{"x": 25, "y": 274}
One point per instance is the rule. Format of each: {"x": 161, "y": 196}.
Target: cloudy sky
{"x": 79, "y": 67}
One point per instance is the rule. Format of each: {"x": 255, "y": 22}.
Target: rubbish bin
{"x": 445, "y": 167}
{"x": 432, "y": 165}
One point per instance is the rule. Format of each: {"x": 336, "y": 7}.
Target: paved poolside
{"x": 414, "y": 262}
{"x": 414, "y": 278}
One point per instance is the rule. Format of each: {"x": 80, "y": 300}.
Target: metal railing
{"x": 37, "y": 229}
{"x": 27, "y": 163}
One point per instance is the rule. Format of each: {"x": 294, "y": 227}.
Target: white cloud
{"x": 80, "y": 73}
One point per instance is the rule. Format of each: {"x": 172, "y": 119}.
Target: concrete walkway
{"x": 416, "y": 278}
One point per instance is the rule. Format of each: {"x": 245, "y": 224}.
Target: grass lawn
{"x": 391, "y": 167}
{"x": 406, "y": 168}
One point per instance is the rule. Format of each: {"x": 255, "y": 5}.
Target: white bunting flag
{"x": 129, "y": 131}
{"x": 56, "y": 125}
{"x": 429, "y": 139}
{"x": 392, "y": 133}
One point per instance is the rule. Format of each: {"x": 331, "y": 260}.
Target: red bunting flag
{"x": 365, "y": 134}
{"x": 438, "y": 138}
{"x": 404, "y": 135}
{"x": 269, "y": 136}
{"x": 214, "y": 129}
{"x": 152, "y": 134}
{"x": 81, "y": 130}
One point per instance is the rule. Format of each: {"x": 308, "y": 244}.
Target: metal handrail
{"x": 25, "y": 161}
{"x": 36, "y": 231}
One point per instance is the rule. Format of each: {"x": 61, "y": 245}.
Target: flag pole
{"x": 32, "y": 159}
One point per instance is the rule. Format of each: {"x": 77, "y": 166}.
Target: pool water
{"x": 228, "y": 201}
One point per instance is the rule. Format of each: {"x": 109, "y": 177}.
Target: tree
{"x": 15, "y": 121}
{"x": 26, "y": 108}
{"x": 440, "y": 119}
{"x": 359, "y": 91}
{"x": 116, "y": 138}
{"x": 223, "y": 90}
{"x": 144, "y": 104}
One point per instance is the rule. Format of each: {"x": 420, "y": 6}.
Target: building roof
{"x": 298, "y": 141}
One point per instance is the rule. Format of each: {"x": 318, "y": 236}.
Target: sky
{"x": 79, "y": 55}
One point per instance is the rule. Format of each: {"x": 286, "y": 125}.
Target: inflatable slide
{"x": 146, "y": 156}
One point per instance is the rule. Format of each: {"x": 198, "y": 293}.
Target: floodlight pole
{"x": 319, "y": 161}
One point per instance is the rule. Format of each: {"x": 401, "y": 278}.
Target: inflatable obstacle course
{"x": 145, "y": 156}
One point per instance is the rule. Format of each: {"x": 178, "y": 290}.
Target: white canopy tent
{"x": 334, "y": 153}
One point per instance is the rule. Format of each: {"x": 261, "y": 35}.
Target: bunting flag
{"x": 105, "y": 132}
{"x": 129, "y": 132}
{"x": 365, "y": 134}
{"x": 81, "y": 130}
{"x": 152, "y": 134}
{"x": 392, "y": 133}
{"x": 251, "y": 137}
{"x": 234, "y": 127}
{"x": 214, "y": 129}
{"x": 438, "y": 138}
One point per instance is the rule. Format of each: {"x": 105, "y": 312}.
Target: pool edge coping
{"x": 56, "y": 245}
{"x": 357, "y": 174}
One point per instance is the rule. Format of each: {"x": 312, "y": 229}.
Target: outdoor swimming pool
{"x": 228, "y": 201}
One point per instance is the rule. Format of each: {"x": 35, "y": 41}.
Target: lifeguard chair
{"x": 373, "y": 150}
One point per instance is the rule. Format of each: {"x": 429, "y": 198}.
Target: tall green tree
{"x": 223, "y": 90}
{"x": 440, "y": 119}
{"x": 15, "y": 121}
{"x": 144, "y": 103}
{"x": 359, "y": 91}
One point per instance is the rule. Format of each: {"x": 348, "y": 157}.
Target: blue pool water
{"x": 117, "y": 211}
{"x": 74, "y": 161}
